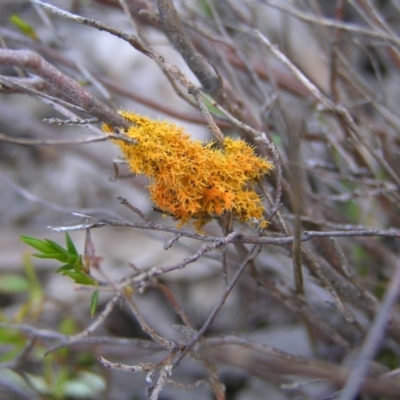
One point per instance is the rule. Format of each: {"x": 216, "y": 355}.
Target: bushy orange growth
{"x": 190, "y": 179}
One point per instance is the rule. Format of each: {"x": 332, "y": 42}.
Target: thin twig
{"x": 373, "y": 339}
{"x": 239, "y": 238}
{"x": 329, "y": 23}
{"x": 251, "y": 256}
{"x": 177, "y": 35}
{"x": 47, "y": 334}
{"x": 34, "y": 63}
{"x": 51, "y": 142}
{"x": 90, "y": 329}
{"x": 328, "y": 105}
{"x": 143, "y": 368}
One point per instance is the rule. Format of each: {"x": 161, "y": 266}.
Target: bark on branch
{"x": 72, "y": 90}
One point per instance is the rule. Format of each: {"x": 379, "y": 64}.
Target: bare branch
{"x": 330, "y": 23}
{"x": 373, "y": 339}
{"x": 32, "y": 62}
{"x": 177, "y": 35}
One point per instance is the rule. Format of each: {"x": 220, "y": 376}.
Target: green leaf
{"x": 23, "y": 26}
{"x": 73, "y": 264}
{"x": 11, "y": 354}
{"x": 70, "y": 245}
{"x": 52, "y": 250}
{"x": 9, "y": 336}
{"x": 80, "y": 277}
{"x": 213, "y": 110}
{"x": 37, "y": 244}
{"x": 13, "y": 283}
{"x": 57, "y": 247}
{"x": 94, "y": 302}
{"x": 68, "y": 326}
{"x": 276, "y": 139}
{"x": 66, "y": 267}
{"x": 54, "y": 256}
{"x": 35, "y": 288}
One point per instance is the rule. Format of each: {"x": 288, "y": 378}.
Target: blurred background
{"x": 335, "y": 178}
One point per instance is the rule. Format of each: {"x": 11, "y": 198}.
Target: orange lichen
{"x": 190, "y": 179}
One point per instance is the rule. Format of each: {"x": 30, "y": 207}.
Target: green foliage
{"x": 23, "y": 26}
{"x": 360, "y": 257}
{"x": 94, "y": 300}
{"x": 73, "y": 267}
{"x": 213, "y": 110}
{"x": 28, "y": 284}
{"x": 205, "y": 9}
{"x": 13, "y": 341}
{"x": 62, "y": 381}
{"x": 68, "y": 326}
{"x": 13, "y": 283}
{"x": 388, "y": 358}
{"x": 350, "y": 209}
{"x": 277, "y": 140}
{"x": 65, "y": 373}
{"x": 35, "y": 288}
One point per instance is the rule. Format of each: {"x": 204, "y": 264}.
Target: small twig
{"x": 132, "y": 40}
{"x": 158, "y": 106}
{"x": 126, "y": 203}
{"x": 172, "y": 300}
{"x": 165, "y": 372}
{"x": 299, "y": 306}
{"x": 373, "y": 339}
{"x": 176, "y": 33}
{"x": 251, "y": 256}
{"x": 17, "y": 86}
{"x": 278, "y": 171}
{"x": 239, "y": 238}
{"x": 47, "y": 334}
{"x": 170, "y": 243}
{"x": 90, "y": 329}
{"x": 69, "y": 87}
{"x": 391, "y": 374}
{"x": 21, "y": 357}
{"x": 12, "y": 84}
{"x": 53, "y": 142}
{"x": 210, "y": 120}
{"x": 329, "y": 23}
{"x": 328, "y": 105}
{"x": 57, "y": 121}
{"x": 53, "y": 206}
{"x": 343, "y": 261}
{"x": 143, "y": 368}
{"x": 314, "y": 265}
{"x": 167, "y": 344}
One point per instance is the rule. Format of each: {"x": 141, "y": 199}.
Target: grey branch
{"x": 35, "y": 64}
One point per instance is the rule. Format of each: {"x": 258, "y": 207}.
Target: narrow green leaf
{"x": 13, "y": 283}
{"x": 84, "y": 279}
{"x": 35, "y": 288}
{"x": 37, "y": 244}
{"x": 57, "y": 247}
{"x": 66, "y": 267}
{"x": 23, "y": 26}
{"x": 54, "y": 256}
{"x": 93, "y": 302}
{"x": 214, "y": 110}
{"x": 52, "y": 250}
{"x": 70, "y": 245}
{"x": 80, "y": 278}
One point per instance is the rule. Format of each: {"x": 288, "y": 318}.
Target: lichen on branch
{"x": 191, "y": 179}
